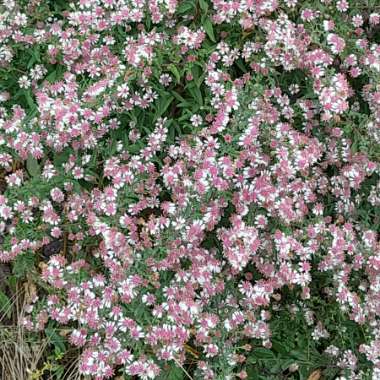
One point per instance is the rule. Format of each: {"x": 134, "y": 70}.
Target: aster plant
{"x": 191, "y": 189}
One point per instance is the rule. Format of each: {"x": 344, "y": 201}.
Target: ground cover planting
{"x": 190, "y": 189}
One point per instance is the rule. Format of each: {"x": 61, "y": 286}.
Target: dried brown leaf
{"x": 315, "y": 375}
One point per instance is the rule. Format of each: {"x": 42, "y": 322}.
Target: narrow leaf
{"x": 175, "y": 72}
{"x": 209, "y": 29}
{"x": 5, "y": 305}
{"x": 203, "y": 4}
{"x": 32, "y": 166}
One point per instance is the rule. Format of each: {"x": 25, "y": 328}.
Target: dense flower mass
{"x": 194, "y": 186}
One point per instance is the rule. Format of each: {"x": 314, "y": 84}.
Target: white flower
{"x": 24, "y": 82}
{"x": 196, "y": 120}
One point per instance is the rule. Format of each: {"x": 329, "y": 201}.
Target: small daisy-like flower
{"x": 4, "y": 96}
{"x": 291, "y": 3}
{"x": 109, "y": 40}
{"x": 294, "y": 88}
{"x": 38, "y": 72}
{"x": 196, "y": 120}
{"x": 357, "y": 21}
{"x": 56, "y": 232}
{"x": 342, "y": 5}
{"x": 165, "y": 79}
{"x": 328, "y": 25}
{"x": 24, "y": 82}
{"x": 336, "y": 43}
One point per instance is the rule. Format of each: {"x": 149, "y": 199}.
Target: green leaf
{"x": 184, "y": 102}
{"x": 304, "y": 372}
{"x": 298, "y": 355}
{"x": 209, "y": 29}
{"x": 51, "y": 77}
{"x": 241, "y": 66}
{"x": 5, "y": 305}
{"x": 55, "y": 339}
{"x": 61, "y": 157}
{"x": 254, "y": 373}
{"x": 171, "y": 136}
{"x": 36, "y": 58}
{"x": 12, "y": 283}
{"x": 196, "y": 94}
{"x": 175, "y": 72}
{"x": 263, "y": 353}
{"x": 59, "y": 371}
{"x": 203, "y": 4}
{"x": 172, "y": 373}
{"x": 29, "y": 99}
{"x": 279, "y": 347}
{"x": 163, "y": 105}
{"x": 23, "y": 264}
{"x": 286, "y": 363}
{"x": 198, "y": 75}
{"x": 185, "y": 7}
{"x": 134, "y": 148}
{"x": 32, "y": 166}
{"x": 251, "y": 359}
